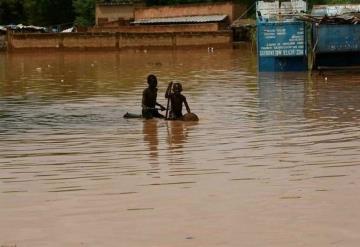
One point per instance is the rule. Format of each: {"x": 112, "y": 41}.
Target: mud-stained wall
{"x": 208, "y": 27}
{"x": 34, "y": 41}
{"x": 232, "y": 10}
{"x": 132, "y": 40}
{"x": 2, "y": 42}
{"x": 116, "y": 41}
{"x": 88, "y": 41}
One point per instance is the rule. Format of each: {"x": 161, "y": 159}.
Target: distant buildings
{"x": 119, "y": 12}
{"x": 118, "y": 16}
{"x": 130, "y": 25}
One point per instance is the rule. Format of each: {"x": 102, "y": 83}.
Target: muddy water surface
{"x": 274, "y": 160}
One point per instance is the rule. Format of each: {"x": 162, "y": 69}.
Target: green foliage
{"x": 11, "y": 11}
{"x": 85, "y": 12}
{"x": 36, "y": 12}
{"x": 53, "y": 12}
{"x": 45, "y": 12}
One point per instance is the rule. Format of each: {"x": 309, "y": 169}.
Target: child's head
{"x": 152, "y": 81}
{"x": 177, "y": 87}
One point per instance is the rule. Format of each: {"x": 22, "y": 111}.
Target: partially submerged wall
{"x": 116, "y": 41}
{"x": 2, "y": 42}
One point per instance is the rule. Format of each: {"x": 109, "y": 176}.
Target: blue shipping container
{"x": 282, "y": 46}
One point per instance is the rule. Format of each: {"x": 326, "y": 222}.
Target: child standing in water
{"x": 149, "y": 99}
{"x": 176, "y": 101}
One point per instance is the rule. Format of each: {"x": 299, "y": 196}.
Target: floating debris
{"x": 349, "y": 18}
{"x": 333, "y": 14}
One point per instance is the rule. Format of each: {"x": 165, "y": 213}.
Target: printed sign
{"x": 338, "y": 38}
{"x": 281, "y": 39}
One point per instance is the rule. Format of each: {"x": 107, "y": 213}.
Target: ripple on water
{"x": 62, "y": 130}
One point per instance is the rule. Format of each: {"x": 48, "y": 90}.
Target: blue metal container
{"x": 281, "y": 46}
{"x": 336, "y": 45}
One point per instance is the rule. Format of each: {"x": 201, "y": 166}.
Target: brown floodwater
{"x": 273, "y": 161}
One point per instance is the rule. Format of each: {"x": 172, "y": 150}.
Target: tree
{"x": 11, "y": 12}
{"x": 85, "y": 12}
{"x": 46, "y": 13}
{"x": 54, "y": 12}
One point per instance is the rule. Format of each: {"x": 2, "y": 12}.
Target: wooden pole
{"x": 168, "y": 105}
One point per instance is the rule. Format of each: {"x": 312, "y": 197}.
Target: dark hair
{"x": 177, "y": 87}
{"x": 152, "y": 80}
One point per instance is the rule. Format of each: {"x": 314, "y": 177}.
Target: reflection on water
{"x": 178, "y": 133}
{"x": 150, "y": 131}
{"x": 273, "y": 159}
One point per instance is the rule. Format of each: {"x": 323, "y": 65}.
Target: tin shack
{"x": 336, "y": 36}
{"x": 281, "y": 38}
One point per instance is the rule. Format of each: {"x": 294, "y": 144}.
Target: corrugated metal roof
{"x": 334, "y": 9}
{"x": 243, "y": 23}
{"x": 182, "y": 19}
{"x": 117, "y": 2}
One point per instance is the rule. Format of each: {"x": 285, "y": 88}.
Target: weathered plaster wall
{"x": 114, "y": 12}
{"x": 116, "y": 41}
{"x": 207, "y": 27}
{"x": 2, "y": 42}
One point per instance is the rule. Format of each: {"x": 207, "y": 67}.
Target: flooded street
{"x": 273, "y": 161}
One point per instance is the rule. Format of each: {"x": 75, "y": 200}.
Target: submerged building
{"x": 130, "y": 25}
{"x": 108, "y": 13}
{"x": 281, "y": 38}
{"x": 117, "y": 16}
{"x": 336, "y": 36}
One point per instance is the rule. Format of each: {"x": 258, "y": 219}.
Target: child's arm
{"x": 161, "y": 106}
{"x": 144, "y": 98}
{"x": 168, "y": 90}
{"x": 186, "y": 105}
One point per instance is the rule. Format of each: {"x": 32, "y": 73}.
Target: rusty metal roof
{"x": 335, "y": 9}
{"x": 182, "y": 19}
{"x": 117, "y": 2}
{"x": 243, "y": 23}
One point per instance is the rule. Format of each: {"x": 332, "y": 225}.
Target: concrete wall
{"x": 97, "y": 41}
{"x": 207, "y": 27}
{"x": 116, "y": 41}
{"x": 34, "y": 41}
{"x": 227, "y": 8}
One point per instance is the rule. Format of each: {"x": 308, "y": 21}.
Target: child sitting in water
{"x": 176, "y": 101}
{"x": 149, "y": 99}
